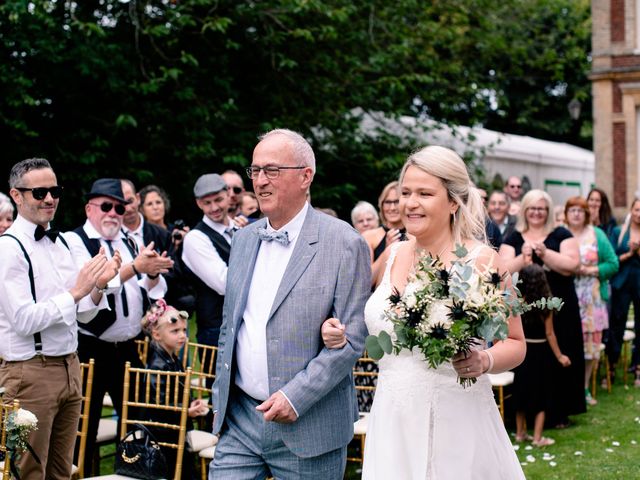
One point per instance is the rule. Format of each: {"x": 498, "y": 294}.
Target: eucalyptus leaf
{"x": 384, "y": 340}
{"x": 374, "y": 350}
{"x": 460, "y": 251}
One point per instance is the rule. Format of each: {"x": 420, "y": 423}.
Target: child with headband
{"x": 167, "y": 329}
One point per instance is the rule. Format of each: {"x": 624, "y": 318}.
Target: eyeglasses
{"x": 270, "y": 172}
{"x": 390, "y": 203}
{"x": 515, "y": 186}
{"x": 40, "y": 193}
{"x": 237, "y": 190}
{"x": 538, "y": 209}
{"x": 576, "y": 210}
{"x": 107, "y": 206}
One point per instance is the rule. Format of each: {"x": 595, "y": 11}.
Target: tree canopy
{"x": 164, "y": 91}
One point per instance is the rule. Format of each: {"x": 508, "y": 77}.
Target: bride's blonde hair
{"x": 468, "y": 222}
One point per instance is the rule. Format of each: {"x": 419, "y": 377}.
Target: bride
{"x": 423, "y": 424}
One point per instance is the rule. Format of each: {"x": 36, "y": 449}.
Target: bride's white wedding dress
{"x": 423, "y": 424}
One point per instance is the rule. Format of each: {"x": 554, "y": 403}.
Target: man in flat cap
{"x": 110, "y": 337}
{"x": 206, "y": 254}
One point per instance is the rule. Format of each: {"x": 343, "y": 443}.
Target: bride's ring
{"x": 467, "y": 370}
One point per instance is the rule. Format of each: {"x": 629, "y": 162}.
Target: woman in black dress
{"x": 532, "y": 387}
{"x": 536, "y": 240}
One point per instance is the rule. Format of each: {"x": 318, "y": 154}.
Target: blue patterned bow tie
{"x": 280, "y": 237}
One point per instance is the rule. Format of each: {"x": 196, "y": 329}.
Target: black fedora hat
{"x": 106, "y": 187}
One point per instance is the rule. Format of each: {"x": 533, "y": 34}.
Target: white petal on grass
{"x": 530, "y": 458}
{"x": 615, "y": 444}
{"x": 553, "y": 464}
{"x": 516, "y": 447}
{"x": 578, "y": 453}
{"x": 610, "y": 450}
{"x": 528, "y": 447}
{"x": 633, "y": 442}
{"x": 524, "y": 464}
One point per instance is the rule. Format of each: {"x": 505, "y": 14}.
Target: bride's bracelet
{"x": 490, "y": 356}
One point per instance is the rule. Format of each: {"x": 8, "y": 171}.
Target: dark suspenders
{"x": 37, "y": 338}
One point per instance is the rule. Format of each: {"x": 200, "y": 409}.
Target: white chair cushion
{"x": 107, "y": 430}
{"x": 207, "y": 452}
{"x": 360, "y": 426}
{"x": 106, "y": 401}
{"x": 198, "y": 440}
{"x": 501, "y": 379}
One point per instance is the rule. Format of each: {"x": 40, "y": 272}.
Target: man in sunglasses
{"x": 513, "y": 189}
{"x": 43, "y": 294}
{"x": 235, "y": 187}
{"x": 110, "y": 337}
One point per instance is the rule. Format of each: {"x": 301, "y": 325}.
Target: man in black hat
{"x": 42, "y": 297}
{"x": 109, "y": 337}
{"x": 206, "y": 254}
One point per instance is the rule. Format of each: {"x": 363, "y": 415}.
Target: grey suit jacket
{"x": 328, "y": 275}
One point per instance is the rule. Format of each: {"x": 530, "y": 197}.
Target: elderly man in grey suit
{"x": 285, "y": 403}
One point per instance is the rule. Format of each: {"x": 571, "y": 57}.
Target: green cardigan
{"x": 608, "y": 262}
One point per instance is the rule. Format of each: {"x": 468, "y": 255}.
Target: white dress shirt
{"x": 136, "y": 234}
{"x": 55, "y": 313}
{"x": 203, "y": 259}
{"x": 125, "y": 327}
{"x": 251, "y": 344}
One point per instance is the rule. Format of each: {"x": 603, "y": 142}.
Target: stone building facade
{"x": 615, "y": 77}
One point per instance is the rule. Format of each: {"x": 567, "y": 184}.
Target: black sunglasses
{"x": 40, "y": 193}
{"x": 107, "y": 206}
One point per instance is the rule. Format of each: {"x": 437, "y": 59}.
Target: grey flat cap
{"x": 208, "y": 184}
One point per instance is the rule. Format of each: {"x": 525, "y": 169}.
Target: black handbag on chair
{"x": 140, "y": 456}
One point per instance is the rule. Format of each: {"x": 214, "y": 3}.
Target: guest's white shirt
{"x": 251, "y": 345}
{"x": 136, "y": 234}
{"x": 503, "y": 225}
{"x": 54, "y": 313}
{"x": 203, "y": 259}
{"x": 125, "y": 327}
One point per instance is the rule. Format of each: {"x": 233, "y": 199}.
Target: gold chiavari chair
{"x": 202, "y": 359}
{"x": 86, "y": 376}
{"x": 140, "y": 400}
{"x": 365, "y": 376}
{"x": 143, "y": 349}
{"x": 5, "y": 464}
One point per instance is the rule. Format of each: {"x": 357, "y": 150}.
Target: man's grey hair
{"x": 302, "y": 151}
{"x": 20, "y": 169}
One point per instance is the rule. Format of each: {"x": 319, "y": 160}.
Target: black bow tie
{"x": 40, "y": 233}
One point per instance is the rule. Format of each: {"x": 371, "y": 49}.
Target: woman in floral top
{"x": 598, "y": 263}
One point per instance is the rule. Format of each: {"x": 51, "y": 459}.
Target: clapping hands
{"x": 151, "y": 262}
{"x": 98, "y": 271}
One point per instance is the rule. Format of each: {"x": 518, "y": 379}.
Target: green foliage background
{"x": 163, "y": 91}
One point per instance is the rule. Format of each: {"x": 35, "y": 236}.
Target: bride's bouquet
{"x": 446, "y": 311}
